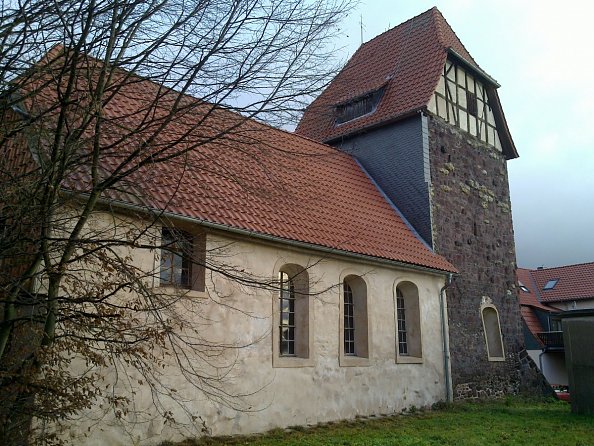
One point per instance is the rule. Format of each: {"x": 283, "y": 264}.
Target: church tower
{"x": 425, "y": 121}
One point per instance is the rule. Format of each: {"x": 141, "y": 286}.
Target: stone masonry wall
{"x": 472, "y": 227}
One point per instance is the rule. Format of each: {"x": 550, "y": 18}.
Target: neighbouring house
{"x": 546, "y": 296}
{"x": 542, "y": 331}
{"x": 425, "y": 121}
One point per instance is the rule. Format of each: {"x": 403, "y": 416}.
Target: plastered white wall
{"x": 278, "y": 396}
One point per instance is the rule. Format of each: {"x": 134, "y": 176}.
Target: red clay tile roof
{"x": 529, "y": 298}
{"x": 407, "y": 61}
{"x": 576, "y": 282}
{"x": 529, "y": 301}
{"x": 532, "y": 322}
{"x": 255, "y": 178}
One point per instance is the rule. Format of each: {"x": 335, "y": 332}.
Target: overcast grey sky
{"x": 541, "y": 52}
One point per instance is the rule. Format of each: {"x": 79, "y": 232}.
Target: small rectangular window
{"x": 471, "y": 103}
{"x": 551, "y": 284}
{"x": 176, "y": 252}
{"x": 182, "y": 260}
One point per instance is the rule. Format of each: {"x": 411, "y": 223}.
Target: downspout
{"x": 444, "y": 337}
{"x": 540, "y": 361}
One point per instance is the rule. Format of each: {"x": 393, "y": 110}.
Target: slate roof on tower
{"x": 406, "y": 62}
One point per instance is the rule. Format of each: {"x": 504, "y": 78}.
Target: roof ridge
{"x": 397, "y": 26}
{"x": 562, "y": 266}
{"x": 440, "y": 23}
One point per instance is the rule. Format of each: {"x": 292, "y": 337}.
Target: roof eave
{"x": 472, "y": 67}
{"x": 507, "y": 143}
{"x": 365, "y": 129}
{"x": 272, "y": 238}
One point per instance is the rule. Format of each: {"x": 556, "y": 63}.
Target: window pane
{"x": 176, "y": 258}
{"x": 287, "y": 315}
{"x": 349, "y": 320}
{"x": 401, "y": 323}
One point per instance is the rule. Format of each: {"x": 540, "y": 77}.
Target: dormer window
{"x": 523, "y": 287}
{"x": 360, "y": 106}
{"x": 551, "y": 284}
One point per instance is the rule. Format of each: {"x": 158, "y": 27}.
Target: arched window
{"x": 292, "y": 333}
{"x": 492, "y": 330}
{"x": 354, "y": 329}
{"x": 408, "y": 323}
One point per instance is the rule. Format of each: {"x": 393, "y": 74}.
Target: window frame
{"x": 349, "y": 320}
{"x": 172, "y": 248}
{"x": 303, "y": 353}
{"x": 411, "y": 298}
{"x": 401, "y": 323}
{"x": 287, "y": 295}
{"x": 193, "y": 254}
{"x": 361, "y": 323}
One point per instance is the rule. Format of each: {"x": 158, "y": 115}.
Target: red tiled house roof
{"x": 532, "y": 322}
{"x": 255, "y": 178}
{"x": 529, "y": 301}
{"x": 407, "y": 62}
{"x": 574, "y": 282}
{"x": 530, "y": 297}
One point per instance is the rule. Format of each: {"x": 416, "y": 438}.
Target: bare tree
{"x": 103, "y": 94}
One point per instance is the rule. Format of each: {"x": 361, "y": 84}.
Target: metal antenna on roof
{"x": 362, "y": 27}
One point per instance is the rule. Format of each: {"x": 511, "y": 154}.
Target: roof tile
{"x": 255, "y": 178}
{"x": 576, "y": 282}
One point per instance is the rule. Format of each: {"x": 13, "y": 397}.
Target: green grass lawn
{"x": 508, "y": 422}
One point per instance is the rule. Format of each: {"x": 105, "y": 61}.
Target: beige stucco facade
{"x": 286, "y": 391}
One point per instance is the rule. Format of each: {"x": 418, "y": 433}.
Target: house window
{"x": 551, "y": 284}
{"x": 523, "y": 287}
{"x": 555, "y": 324}
{"x": 349, "y": 321}
{"x": 182, "y": 260}
{"x": 492, "y": 331}
{"x": 408, "y": 323}
{"x": 292, "y": 335}
{"x": 354, "y": 325}
{"x": 358, "y": 107}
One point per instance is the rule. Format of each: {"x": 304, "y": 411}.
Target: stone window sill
{"x": 409, "y": 360}
{"x": 353, "y": 361}
{"x": 291, "y": 361}
{"x": 181, "y": 292}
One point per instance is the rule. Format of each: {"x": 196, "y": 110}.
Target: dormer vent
{"x": 360, "y": 106}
